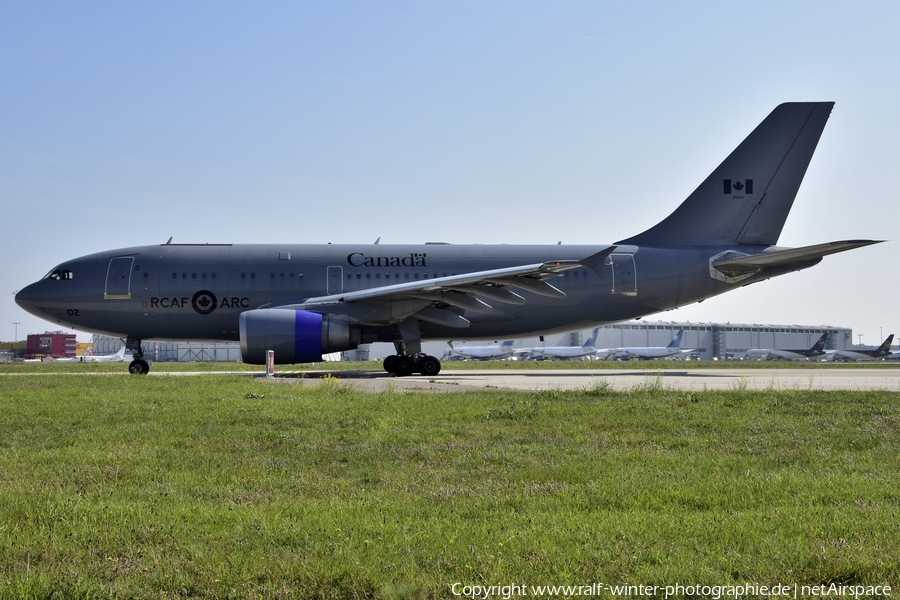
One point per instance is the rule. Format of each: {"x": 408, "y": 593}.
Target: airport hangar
{"x": 708, "y": 341}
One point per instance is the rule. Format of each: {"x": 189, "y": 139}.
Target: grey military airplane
{"x": 302, "y": 301}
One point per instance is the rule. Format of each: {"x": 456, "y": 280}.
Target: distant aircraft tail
{"x": 819, "y": 346}
{"x": 676, "y": 341}
{"x": 592, "y": 340}
{"x": 885, "y": 347}
{"x": 747, "y": 198}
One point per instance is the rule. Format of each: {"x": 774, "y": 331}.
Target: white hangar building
{"x": 720, "y": 341}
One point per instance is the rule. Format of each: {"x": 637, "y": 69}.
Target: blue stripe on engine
{"x": 307, "y": 336}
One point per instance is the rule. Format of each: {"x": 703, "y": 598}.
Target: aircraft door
{"x": 624, "y": 274}
{"x": 335, "y": 280}
{"x": 118, "y": 279}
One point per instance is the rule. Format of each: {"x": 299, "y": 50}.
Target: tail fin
{"x": 819, "y": 346}
{"x": 746, "y": 200}
{"x": 886, "y": 344}
{"x": 593, "y": 339}
{"x": 676, "y": 341}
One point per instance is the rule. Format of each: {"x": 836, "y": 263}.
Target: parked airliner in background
{"x": 494, "y": 352}
{"x": 117, "y": 357}
{"x": 302, "y": 301}
{"x": 565, "y": 352}
{"x": 650, "y": 352}
{"x": 818, "y": 349}
{"x": 882, "y": 351}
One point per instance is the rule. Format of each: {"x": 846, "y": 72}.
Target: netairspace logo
{"x": 713, "y": 592}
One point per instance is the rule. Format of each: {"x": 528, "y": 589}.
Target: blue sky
{"x": 471, "y": 122}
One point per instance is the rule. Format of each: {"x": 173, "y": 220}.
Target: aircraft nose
{"x": 27, "y": 297}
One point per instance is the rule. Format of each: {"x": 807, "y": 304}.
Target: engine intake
{"x": 296, "y": 336}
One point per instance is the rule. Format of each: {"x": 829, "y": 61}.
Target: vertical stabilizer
{"x": 819, "y": 346}
{"x": 746, "y": 200}
{"x": 676, "y": 341}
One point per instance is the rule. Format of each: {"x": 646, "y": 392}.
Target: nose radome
{"x": 26, "y": 297}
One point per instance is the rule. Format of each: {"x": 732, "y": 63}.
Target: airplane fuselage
{"x": 197, "y": 292}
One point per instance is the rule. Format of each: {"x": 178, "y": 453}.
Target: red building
{"x": 56, "y": 344}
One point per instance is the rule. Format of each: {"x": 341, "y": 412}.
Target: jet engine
{"x": 296, "y": 336}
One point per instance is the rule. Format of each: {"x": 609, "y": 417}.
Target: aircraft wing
{"x": 785, "y": 258}
{"x": 467, "y": 291}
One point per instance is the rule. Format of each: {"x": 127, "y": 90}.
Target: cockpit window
{"x": 60, "y": 275}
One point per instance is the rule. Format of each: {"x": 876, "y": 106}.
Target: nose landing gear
{"x": 138, "y": 366}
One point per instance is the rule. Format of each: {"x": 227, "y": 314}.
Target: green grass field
{"x": 511, "y": 365}
{"x": 233, "y": 487}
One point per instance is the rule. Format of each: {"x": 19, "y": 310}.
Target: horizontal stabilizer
{"x": 784, "y": 258}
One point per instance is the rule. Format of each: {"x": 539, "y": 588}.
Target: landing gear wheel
{"x": 428, "y": 366}
{"x": 139, "y": 367}
{"x": 404, "y": 366}
{"x": 390, "y": 363}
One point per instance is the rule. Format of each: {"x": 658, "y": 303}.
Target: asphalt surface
{"x": 575, "y": 379}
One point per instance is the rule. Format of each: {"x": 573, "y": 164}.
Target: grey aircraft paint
{"x": 305, "y": 300}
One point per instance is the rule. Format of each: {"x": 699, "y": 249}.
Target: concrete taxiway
{"x": 618, "y": 379}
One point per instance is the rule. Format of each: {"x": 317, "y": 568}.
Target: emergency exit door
{"x": 118, "y": 279}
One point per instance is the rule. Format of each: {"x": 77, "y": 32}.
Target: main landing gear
{"x": 138, "y": 366}
{"x": 403, "y": 365}
{"x": 410, "y": 358}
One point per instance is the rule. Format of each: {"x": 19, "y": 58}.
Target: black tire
{"x": 429, "y": 366}
{"x": 404, "y": 366}
{"x": 139, "y": 367}
{"x": 390, "y": 363}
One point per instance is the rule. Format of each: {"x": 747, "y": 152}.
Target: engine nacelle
{"x": 296, "y": 336}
